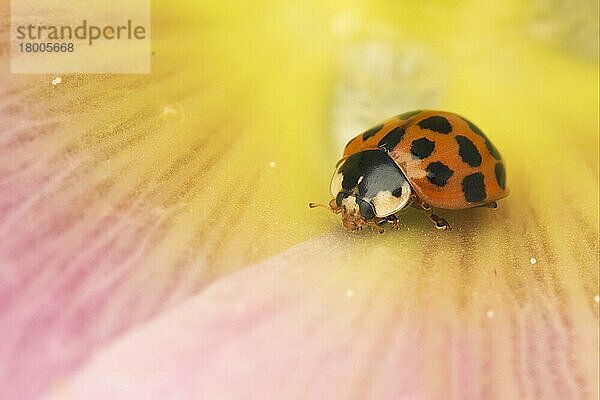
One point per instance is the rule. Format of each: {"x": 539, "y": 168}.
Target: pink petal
{"x": 97, "y": 237}
{"x": 328, "y": 319}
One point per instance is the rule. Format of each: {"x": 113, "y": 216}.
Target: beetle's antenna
{"x": 315, "y": 205}
{"x": 331, "y": 206}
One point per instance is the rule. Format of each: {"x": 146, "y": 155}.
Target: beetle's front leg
{"x": 394, "y": 221}
{"x": 376, "y": 223}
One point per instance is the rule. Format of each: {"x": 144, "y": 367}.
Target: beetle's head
{"x": 352, "y": 218}
{"x": 371, "y": 184}
{"x": 368, "y": 186}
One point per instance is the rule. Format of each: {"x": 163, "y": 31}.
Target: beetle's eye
{"x": 338, "y": 199}
{"x": 366, "y": 209}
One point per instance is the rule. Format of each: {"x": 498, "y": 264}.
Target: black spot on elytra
{"x": 468, "y": 152}
{"x": 397, "y": 192}
{"x": 493, "y": 151}
{"x": 437, "y": 124}
{"x": 407, "y": 115}
{"x": 422, "y": 148}
{"x": 392, "y": 138}
{"x": 473, "y": 188}
{"x": 438, "y": 173}
{"x": 371, "y": 132}
{"x": 500, "y": 175}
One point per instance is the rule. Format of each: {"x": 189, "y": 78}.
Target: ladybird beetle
{"x": 424, "y": 159}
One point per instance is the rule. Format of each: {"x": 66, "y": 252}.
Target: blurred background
{"x": 124, "y": 196}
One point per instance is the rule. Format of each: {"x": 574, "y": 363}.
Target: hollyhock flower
{"x": 155, "y": 239}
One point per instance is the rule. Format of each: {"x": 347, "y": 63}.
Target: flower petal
{"x": 340, "y": 318}
{"x": 122, "y": 196}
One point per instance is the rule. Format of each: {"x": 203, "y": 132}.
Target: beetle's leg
{"x": 381, "y": 221}
{"x": 392, "y": 219}
{"x": 439, "y": 222}
{"x": 493, "y": 205}
{"x": 413, "y": 201}
{"x": 375, "y": 223}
